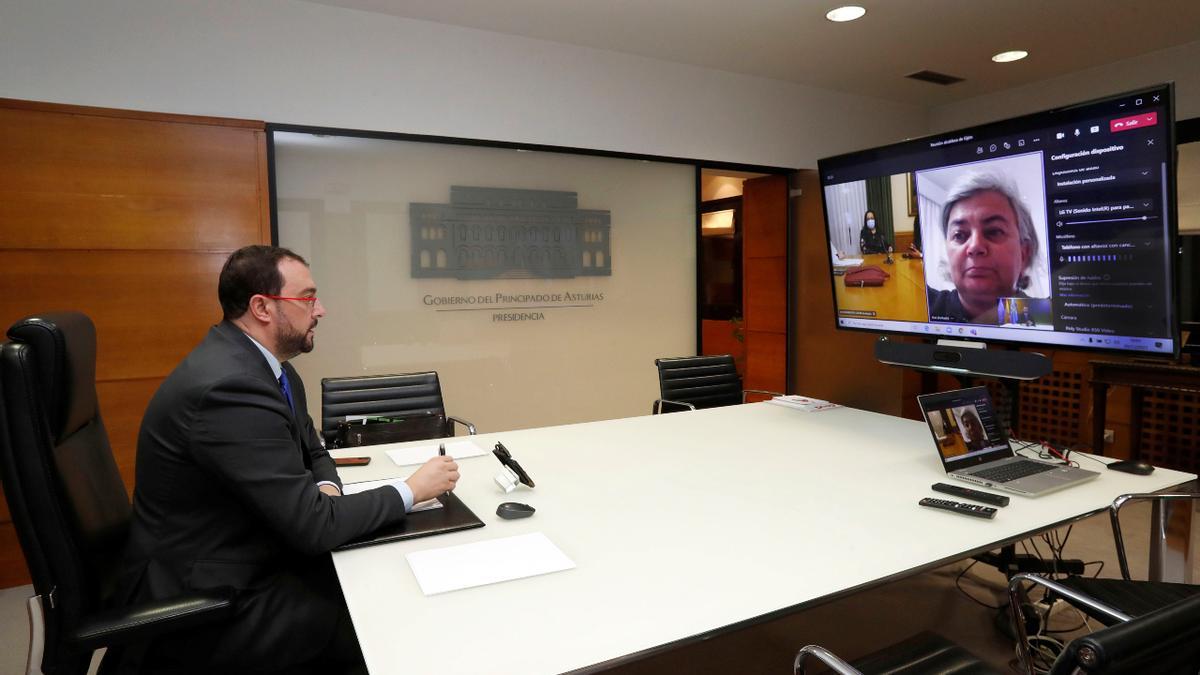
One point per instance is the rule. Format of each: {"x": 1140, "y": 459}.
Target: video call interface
{"x": 1053, "y": 228}
{"x": 963, "y": 423}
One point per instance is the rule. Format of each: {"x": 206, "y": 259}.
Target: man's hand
{"x": 330, "y": 490}
{"x": 436, "y": 476}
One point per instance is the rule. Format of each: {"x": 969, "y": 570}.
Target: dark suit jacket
{"x": 226, "y": 489}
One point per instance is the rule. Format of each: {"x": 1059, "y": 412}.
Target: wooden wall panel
{"x": 128, "y": 217}
{"x": 122, "y": 403}
{"x": 764, "y": 281}
{"x": 766, "y": 368}
{"x": 12, "y": 562}
{"x": 48, "y": 221}
{"x": 150, "y": 307}
{"x": 85, "y": 181}
{"x": 765, "y": 284}
{"x": 764, "y": 217}
{"x": 717, "y": 337}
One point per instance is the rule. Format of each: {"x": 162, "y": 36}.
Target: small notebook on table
{"x": 452, "y": 517}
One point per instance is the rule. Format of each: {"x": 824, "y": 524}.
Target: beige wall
{"x": 298, "y": 62}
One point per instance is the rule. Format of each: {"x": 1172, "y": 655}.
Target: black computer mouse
{"x": 513, "y": 510}
{"x": 1137, "y": 466}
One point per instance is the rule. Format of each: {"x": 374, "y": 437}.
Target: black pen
{"x": 442, "y": 453}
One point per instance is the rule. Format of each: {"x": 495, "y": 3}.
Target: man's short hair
{"x": 974, "y": 183}
{"x": 250, "y": 271}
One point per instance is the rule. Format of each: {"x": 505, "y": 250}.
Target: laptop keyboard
{"x": 1013, "y": 471}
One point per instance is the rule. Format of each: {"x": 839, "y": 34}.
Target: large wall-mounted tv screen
{"x": 1054, "y": 229}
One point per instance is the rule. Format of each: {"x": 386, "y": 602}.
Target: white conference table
{"x": 681, "y": 526}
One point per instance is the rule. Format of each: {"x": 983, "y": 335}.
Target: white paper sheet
{"x": 486, "y": 562}
{"x": 803, "y": 403}
{"x": 353, "y": 488}
{"x": 419, "y": 454}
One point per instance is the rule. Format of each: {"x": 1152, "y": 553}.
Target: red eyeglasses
{"x": 311, "y": 298}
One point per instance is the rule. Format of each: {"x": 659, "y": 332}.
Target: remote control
{"x": 968, "y": 493}
{"x": 959, "y": 507}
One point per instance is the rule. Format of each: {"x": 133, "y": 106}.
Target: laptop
{"x": 975, "y": 449}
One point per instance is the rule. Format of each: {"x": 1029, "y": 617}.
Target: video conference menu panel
{"x": 1054, "y": 228}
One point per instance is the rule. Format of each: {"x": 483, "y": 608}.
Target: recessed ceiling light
{"x": 847, "y": 13}
{"x": 1006, "y": 57}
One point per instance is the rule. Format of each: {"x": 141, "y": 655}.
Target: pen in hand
{"x": 442, "y": 453}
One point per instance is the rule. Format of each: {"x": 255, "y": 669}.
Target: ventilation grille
{"x": 1053, "y": 408}
{"x": 1171, "y": 430}
{"x": 934, "y": 77}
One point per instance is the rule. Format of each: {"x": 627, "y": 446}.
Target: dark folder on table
{"x": 453, "y": 516}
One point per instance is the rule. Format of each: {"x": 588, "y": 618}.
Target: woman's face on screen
{"x": 983, "y": 246}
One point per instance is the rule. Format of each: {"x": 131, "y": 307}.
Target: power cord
{"x": 1048, "y": 451}
{"x": 961, "y": 589}
{"x": 1044, "y": 648}
{"x": 1044, "y": 651}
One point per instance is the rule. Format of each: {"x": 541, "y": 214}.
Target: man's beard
{"x": 292, "y": 341}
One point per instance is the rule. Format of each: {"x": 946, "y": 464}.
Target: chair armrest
{"x": 1114, "y": 515}
{"x": 826, "y": 657}
{"x": 659, "y": 403}
{"x": 1015, "y": 602}
{"x": 150, "y": 619}
{"x": 470, "y": 427}
{"x": 763, "y": 392}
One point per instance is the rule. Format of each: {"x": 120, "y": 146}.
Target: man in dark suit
{"x": 234, "y": 489}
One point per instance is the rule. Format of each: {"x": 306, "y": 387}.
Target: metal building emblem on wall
{"x": 502, "y": 233}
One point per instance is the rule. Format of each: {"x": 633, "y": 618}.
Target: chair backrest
{"x": 379, "y": 395}
{"x": 68, "y": 503}
{"x": 703, "y": 381}
{"x": 1164, "y": 642}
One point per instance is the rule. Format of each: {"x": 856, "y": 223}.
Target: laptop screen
{"x": 964, "y": 427}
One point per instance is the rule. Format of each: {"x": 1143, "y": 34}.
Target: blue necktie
{"x": 287, "y": 390}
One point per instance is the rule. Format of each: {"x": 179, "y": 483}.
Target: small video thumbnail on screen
{"x": 958, "y": 430}
{"x": 962, "y": 244}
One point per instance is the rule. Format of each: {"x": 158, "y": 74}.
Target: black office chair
{"x": 1165, "y": 642}
{"x": 1131, "y": 597}
{"x": 416, "y": 396}
{"x": 925, "y": 653}
{"x": 695, "y": 382}
{"x": 68, "y": 503}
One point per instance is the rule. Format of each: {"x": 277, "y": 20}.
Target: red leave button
{"x": 1133, "y": 122}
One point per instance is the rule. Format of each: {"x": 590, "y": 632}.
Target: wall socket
{"x": 1110, "y": 436}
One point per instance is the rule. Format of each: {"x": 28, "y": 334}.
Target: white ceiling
{"x": 791, "y": 39}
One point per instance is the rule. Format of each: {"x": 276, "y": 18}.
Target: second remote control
{"x": 958, "y": 507}
{"x": 968, "y": 493}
